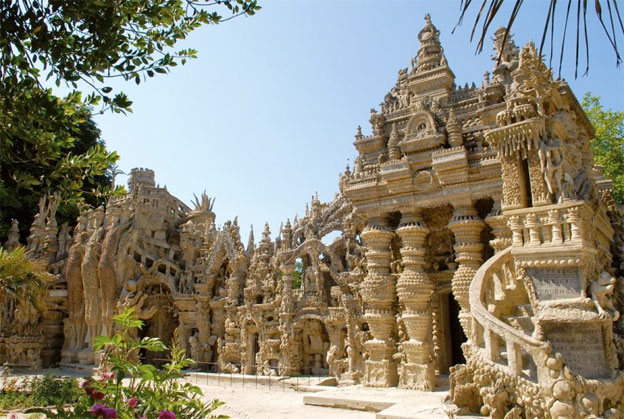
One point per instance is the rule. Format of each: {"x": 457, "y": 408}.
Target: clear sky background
{"x": 265, "y": 117}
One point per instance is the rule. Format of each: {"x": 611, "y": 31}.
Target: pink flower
{"x": 166, "y": 414}
{"x": 132, "y": 402}
{"x": 97, "y": 409}
{"x": 97, "y": 395}
{"x": 86, "y": 385}
{"x": 108, "y": 375}
{"x": 109, "y": 413}
{"x": 103, "y": 411}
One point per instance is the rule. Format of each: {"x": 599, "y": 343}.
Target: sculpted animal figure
{"x": 601, "y": 291}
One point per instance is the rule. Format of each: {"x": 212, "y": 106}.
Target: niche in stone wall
{"x": 440, "y": 255}
{"x": 220, "y": 283}
{"x": 162, "y": 321}
{"x": 314, "y": 344}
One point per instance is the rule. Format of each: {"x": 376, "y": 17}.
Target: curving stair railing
{"x": 500, "y": 343}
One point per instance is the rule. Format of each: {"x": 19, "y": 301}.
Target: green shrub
{"x": 131, "y": 389}
{"x": 52, "y": 390}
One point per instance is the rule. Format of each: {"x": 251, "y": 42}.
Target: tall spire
{"x": 431, "y": 76}
{"x": 251, "y": 246}
{"x": 265, "y": 242}
{"x": 287, "y": 234}
{"x": 430, "y": 53}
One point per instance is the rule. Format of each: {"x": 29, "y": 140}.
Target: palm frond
{"x": 21, "y": 277}
{"x": 490, "y": 8}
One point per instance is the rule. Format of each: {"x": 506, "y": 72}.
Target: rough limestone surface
{"x": 476, "y": 237}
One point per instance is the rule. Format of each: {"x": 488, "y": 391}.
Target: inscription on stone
{"x": 582, "y": 347}
{"x": 556, "y": 283}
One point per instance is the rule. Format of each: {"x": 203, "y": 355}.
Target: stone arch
{"x": 422, "y": 121}
{"x": 161, "y": 315}
{"x": 223, "y": 249}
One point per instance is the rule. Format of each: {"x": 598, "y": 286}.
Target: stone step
{"x": 386, "y": 402}
{"x": 523, "y": 310}
{"x": 523, "y": 323}
{"x": 414, "y": 410}
{"x": 350, "y": 402}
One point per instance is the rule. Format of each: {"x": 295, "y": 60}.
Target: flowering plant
{"x": 130, "y": 389}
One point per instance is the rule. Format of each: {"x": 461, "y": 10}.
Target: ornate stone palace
{"x": 476, "y": 238}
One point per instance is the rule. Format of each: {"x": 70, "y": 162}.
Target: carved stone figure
{"x": 601, "y": 293}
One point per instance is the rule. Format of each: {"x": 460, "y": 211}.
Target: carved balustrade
{"x": 570, "y": 223}
{"x": 489, "y": 332}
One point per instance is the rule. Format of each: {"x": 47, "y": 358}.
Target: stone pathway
{"x": 262, "y": 403}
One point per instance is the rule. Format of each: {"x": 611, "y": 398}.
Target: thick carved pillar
{"x": 467, "y": 227}
{"x": 379, "y": 294}
{"x": 286, "y": 314}
{"x": 414, "y": 289}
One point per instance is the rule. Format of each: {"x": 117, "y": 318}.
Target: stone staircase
{"x": 522, "y": 319}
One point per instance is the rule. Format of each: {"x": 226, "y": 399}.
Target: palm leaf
{"x": 21, "y": 277}
{"x": 493, "y": 7}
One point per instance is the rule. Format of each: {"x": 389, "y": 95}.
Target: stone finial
{"x": 266, "y": 234}
{"x": 358, "y": 135}
{"x": 454, "y": 130}
{"x": 393, "y": 144}
{"x": 505, "y": 48}
{"x": 430, "y": 53}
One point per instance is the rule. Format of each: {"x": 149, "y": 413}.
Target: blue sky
{"x": 265, "y": 117}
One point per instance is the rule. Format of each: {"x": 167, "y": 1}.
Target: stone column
{"x": 379, "y": 295}
{"x": 467, "y": 227}
{"x": 500, "y": 230}
{"x": 414, "y": 288}
{"x": 286, "y": 315}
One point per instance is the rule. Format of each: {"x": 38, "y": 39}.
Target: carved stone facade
{"x": 475, "y": 236}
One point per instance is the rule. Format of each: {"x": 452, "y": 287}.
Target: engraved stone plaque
{"x": 582, "y": 347}
{"x": 556, "y": 283}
